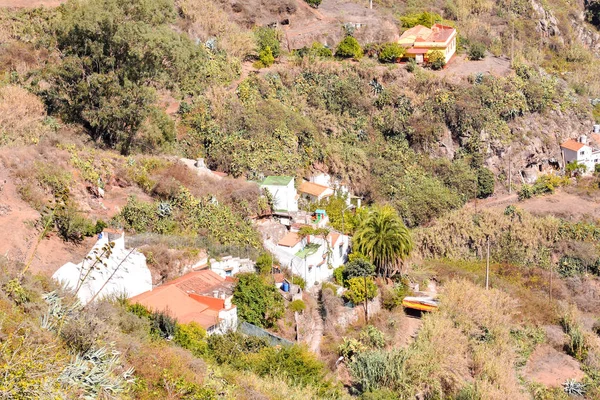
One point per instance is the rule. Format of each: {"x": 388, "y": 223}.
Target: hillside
{"x": 162, "y": 119}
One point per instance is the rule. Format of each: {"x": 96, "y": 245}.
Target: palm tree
{"x": 384, "y": 239}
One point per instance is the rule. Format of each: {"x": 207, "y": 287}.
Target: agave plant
{"x": 574, "y": 388}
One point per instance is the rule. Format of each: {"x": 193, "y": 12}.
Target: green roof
{"x": 277, "y": 180}
{"x": 308, "y": 250}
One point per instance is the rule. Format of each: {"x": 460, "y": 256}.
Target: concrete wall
{"x": 284, "y": 197}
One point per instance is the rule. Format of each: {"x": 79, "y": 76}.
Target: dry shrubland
{"x": 22, "y": 116}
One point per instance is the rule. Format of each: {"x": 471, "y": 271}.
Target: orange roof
{"x": 572, "y": 144}
{"x": 290, "y": 240}
{"x": 188, "y": 298}
{"x": 437, "y": 34}
{"x": 314, "y": 189}
{"x": 279, "y": 278}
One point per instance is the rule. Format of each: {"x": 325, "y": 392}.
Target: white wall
{"x": 284, "y": 197}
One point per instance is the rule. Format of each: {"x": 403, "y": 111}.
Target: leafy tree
{"x": 356, "y": 290}
{"x": 575, "y": 168}
{"x": 425, "y": 18}
{"x": 191, "y": 337}
{"x": 476, "y": 51}
{"x": 358, "y": 268}
{"x": 264, "y": 263}
{"x": 436, "y": 60}
{"x": 297, "y": 306}
{"x": 257, "y": 301}
{"x": 383, "y": 238}
{"x": 349, "y": 48}
{"x": 485, "y": 183}
{"x": 112, "y": 55}
{"x": 268, "y": 38}
{"x": 391, "y": 52}
{"x": 593, "y": 12}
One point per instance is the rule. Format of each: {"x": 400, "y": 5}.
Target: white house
{"x": 580, "y": 151}
{"x": 314, "y": 192}
{"x": 313, "y": 258}
{"x": 103, "y": 273}
{"x": 283, "y": 190}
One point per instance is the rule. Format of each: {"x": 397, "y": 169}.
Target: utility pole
{"x": 366, "y": 301}
{"x": 487, "y": 265}
{"x": 509, "y": 174}
{"x": 371, "y": 4}
{"x": 550, "y": 291}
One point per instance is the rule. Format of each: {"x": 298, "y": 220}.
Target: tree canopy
{"x": 257, "y": 301}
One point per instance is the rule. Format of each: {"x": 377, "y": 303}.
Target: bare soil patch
{"x": 460, "y": 66}
{"x": 551, "y": 367}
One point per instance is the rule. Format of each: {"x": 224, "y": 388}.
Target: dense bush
{"x": 436, "y": 60}
{"x": 425, "y": 18}
{"x": 356, "y": 290}
{"x": 485, "y": 183}
{"x": 313, "y": 3}
{"x": 349, "y": 48}
{"x": 391, "y": 52}
{"x": 191, "y": 337}
{"x": 297, "y": 306}
{"x": 265, "y": 57}
{"x": 268, "y": 38}
{"x": 258, "y": 302}
{"x": 476, "y": 51}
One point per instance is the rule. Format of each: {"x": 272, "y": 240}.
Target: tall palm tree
{"x": 384, "y": 239}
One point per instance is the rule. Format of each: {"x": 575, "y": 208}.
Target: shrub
{"x": 372, "y": 337}
{"x": 436, "y": 60}
{"x": 569, "y": 266}
{"x": 349, "y": 48}
{"x": 162, "y": 325}
{"x": 350, "y": 347}
{"x": 264, "y": 263}
{"x": 392, "y": 297}
{"x": 358, "y": 268}
{"x": 313, "y": 3}
{"x": 391, "y": 52}
{"x": 477, "y": 51}
{"x": 411, "y": 65}
{"x": 485, "y": 183}
{"x": 191, "y": 337}
{"x": 298, "y": 280}
{"x": 356, "y": 290}
{"x": 576, "y": 168}
{"x": 297, "y": 306}
{"x": 268, "y": 38}
{"x": 526, "y": 191}
{"x": 338, "y": 275}
{"x": 72, "y": 226}
{"x": 425, "y": 18}
{"x": 265, "y": 57}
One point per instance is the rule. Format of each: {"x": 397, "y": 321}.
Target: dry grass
{"x": 21, "y": 116}
{"x": 205, "y": 19}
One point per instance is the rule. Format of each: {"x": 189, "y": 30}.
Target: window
{"x": 341, "y": 250}
{"x": 582, "y": 153}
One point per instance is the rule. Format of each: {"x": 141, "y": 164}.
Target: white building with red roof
{"x": 581, "y": 150}
{"x": 420, "y": 41}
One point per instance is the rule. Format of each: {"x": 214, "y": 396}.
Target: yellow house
{"x": 419, "y": 41}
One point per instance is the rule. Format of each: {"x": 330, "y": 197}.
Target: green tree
{"x": 575, "y": 168}
{"x": 485, "y": 183}
{"x": 425, "y": 18}
{"x": 257, "y": 301}
{"x": 264, "y": 263}
{"x": 383, "y": 238}
{"x": 436, "y": 60}
{"x": 391, "y": 52}
{"x": 313, "y": 3}
{"x": 358, "y": 268}
{"x": 356, "y": 290}
{"x": 268, "y": 38}
{"x": 265, "y": 57}
{"x": 349, "y": 48}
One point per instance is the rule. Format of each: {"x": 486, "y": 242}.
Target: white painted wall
{"x": 122, "y": 273}
{"x": 284, "y": 197}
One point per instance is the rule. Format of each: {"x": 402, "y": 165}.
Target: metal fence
{"x": 253, "y": 330}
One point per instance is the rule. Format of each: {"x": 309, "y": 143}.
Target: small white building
{"x": 314, "y": 192}
{"x": 230, "y": 266}
{"x": 283, "y": 191}
{"x": 580, "y": 151}
{"x": 104, "y": 273}
{"x": 313, "y": 258}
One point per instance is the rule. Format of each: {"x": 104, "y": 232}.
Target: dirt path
{"x": 551, "y": 368}
{"x": 316, "y": 333}
{"x": 30, "y": 3}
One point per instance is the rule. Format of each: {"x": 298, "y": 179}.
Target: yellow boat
{"x": 420, "y": 303}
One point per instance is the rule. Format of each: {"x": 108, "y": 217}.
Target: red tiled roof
{"x": 189, "y": 298}
{"x": 572, "y": 144}
{"x": 440, "y": 33}
{"x": 314, "y": 189}
{"x": 333, "y": 236}
{"x": 414, "y": 50}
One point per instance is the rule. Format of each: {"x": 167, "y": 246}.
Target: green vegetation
{"x": 313, "y": 3}
{"x": 391, "y": 52}
{"x": 349, "y": 48}
{"x": 424, "y": 18}
{"x": 436, "y": 60}
{"x": 268, "y": 38}
{"x": 476, "y": 51}
{"x": 258, "y": 302}
{"x": 384, "y": 239}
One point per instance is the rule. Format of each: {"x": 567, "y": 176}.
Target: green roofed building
{"x": 283, "y": 191}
